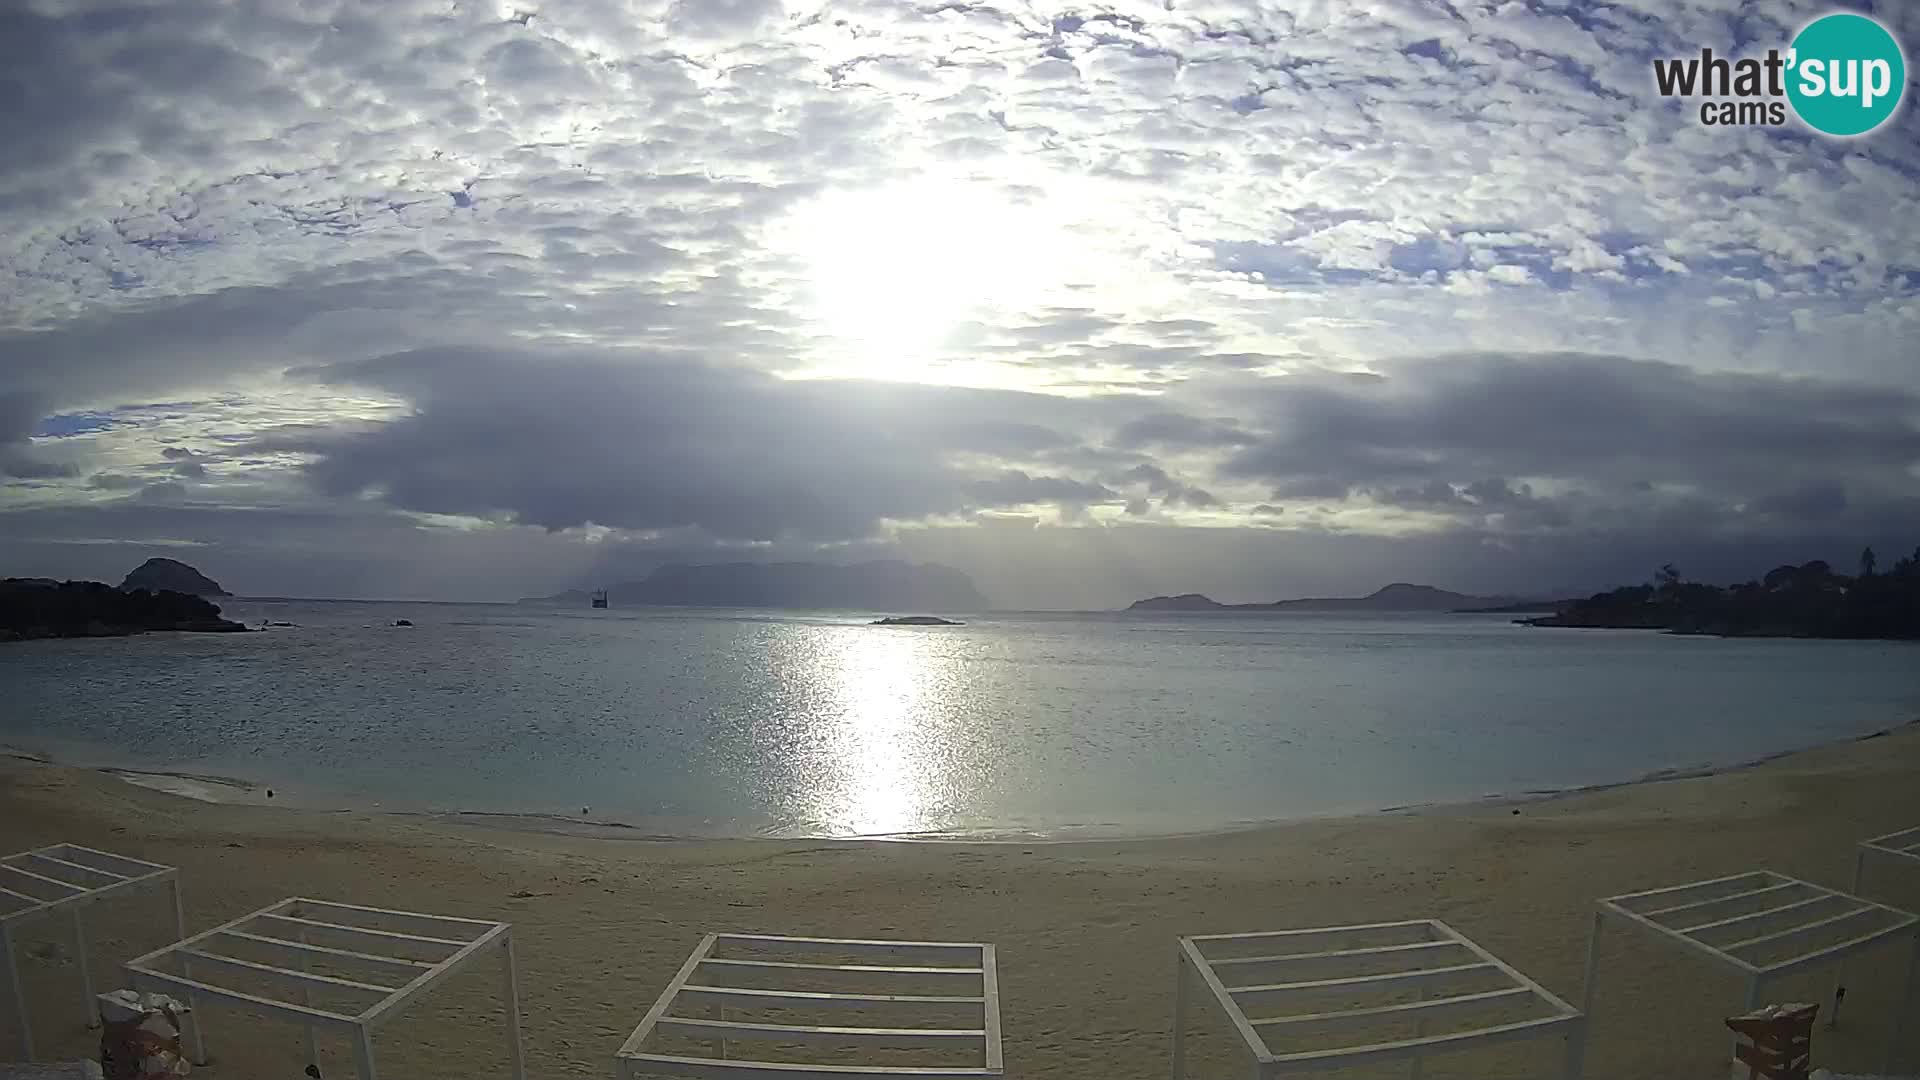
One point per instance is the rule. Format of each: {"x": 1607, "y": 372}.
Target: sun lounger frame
{"x": 969, "y": 966}
{"x": 373, "y": 938}
{"x": 1317, "y": 960}
{"x": 66, "y": 878}
{"x": 1704, "y": 928}
{"x": 1900, "y": 846}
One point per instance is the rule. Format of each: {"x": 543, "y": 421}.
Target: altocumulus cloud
{"x": 1254, "y": 297}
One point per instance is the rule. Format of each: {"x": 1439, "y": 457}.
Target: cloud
{"x": 1598, "y": 437}
{"x": 827, "y": 273}
{"x": 724, "y": 19}
{"x": 564, "y": 440}
{"x": 1016, "y": 488}
{"x": 1178, "y": 430}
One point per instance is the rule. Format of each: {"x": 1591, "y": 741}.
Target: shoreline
{"x": 1084, "y": 927}
{"x": 220, "y": 790}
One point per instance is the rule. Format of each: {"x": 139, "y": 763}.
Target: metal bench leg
{"x": 1577, "y": 1035}
{"x": 1839, "y": 970}
{"x": 90, "y": 1014}
{"x": 513, "y": 1012}
{"x": 306, "y": 998}
{"x": 1576, "y": 1048}
{"x": 16, "y": 992}
{"x": 1753, "y": 1002}
{"x": 1419, "y": 1032}
{"x": 363, "y": 1054}
{"x": 1904, "y": 1007}
{"x": 1179, "y": 1012}
{"x": 1593, "y": 964}
{"x": 196, "y": 1041}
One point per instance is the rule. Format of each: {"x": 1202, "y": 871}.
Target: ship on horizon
{"x": 599, "y": 598}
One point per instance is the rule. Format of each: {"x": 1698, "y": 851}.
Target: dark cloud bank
{"x": 1490, "y": 471}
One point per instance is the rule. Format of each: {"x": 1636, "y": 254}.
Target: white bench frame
{"x": 1820, "y": 911}
{"x": 971, "y": 965}
{"x": 1902, "y": 845}
{"x": 1333, "y": 961}
{"x": 39, "y": 883}
{"x": 376, "y": 936}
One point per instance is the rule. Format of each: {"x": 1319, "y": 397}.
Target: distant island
{"x": 567, "y": 598}
{"x": 1524, "y": 607}
{"x": 1808, "y": 601}
{"x": 916, "y": 620}
{"x": 1399, "y": 596}
{"x": 171, "y": 575}
{"x": 40, "y": 608}
{"x": 885, "y": 585}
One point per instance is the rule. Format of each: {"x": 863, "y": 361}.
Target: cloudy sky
{"x": 481, "y": 299}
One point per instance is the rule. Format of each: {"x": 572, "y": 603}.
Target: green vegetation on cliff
{"x": 38, "y": 608}
{"x": 1809, "y": 600}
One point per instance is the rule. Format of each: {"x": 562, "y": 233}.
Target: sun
{"x": 892, "y": 274}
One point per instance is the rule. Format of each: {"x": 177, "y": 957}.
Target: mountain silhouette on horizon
{"x": 888, "y": 584}
{"x": 1399, "y": 596}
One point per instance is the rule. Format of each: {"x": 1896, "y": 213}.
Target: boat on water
{"x": 599, "y": 598}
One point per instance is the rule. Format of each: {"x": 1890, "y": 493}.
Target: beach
{"x": 1085, "y": 929}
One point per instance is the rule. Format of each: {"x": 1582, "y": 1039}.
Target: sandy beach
{"x": 1085, "y": 930}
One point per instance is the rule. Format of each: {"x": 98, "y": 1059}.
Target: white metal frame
{"x": 1904, "y": 844}
{"x": 969, "y": 967}
{"x": 1722, "y": 917}
{"x": 67, "y": 877}
{"x": 363, "y": 938}
{"x": 1308, "y": 963}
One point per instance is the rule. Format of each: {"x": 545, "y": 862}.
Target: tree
{"x": 1866, "y": 563}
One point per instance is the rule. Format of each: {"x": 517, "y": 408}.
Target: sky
{"x": 466, "y": 299}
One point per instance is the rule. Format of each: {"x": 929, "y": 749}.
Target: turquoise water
{"x": 706, "y": 722}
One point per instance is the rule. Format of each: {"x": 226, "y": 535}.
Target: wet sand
{"x": 1085, "y": 929}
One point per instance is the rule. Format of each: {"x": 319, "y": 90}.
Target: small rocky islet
{"x": 43, "y": 608}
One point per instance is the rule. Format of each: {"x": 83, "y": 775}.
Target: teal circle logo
{"x": 1846, "y": 74}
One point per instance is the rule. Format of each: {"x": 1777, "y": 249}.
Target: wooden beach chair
{"x": 1776, "y": 1042}
{"x": 65, "y": 879}
{"x": 353, "y": 969}
{"x": 923, "y": 1009}
{"x": 1326, "y": 998}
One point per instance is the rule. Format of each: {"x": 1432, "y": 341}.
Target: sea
{"x": 694, "y": 722}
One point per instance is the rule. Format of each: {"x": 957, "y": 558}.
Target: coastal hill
{"x": 39, "y": 608}
{"x": 882, "y": 585}
{"x": 1809, "y": 600}
{"x": 1399, "y": 596}
{"x": 171, "y": 575}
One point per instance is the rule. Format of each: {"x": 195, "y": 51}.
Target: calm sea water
{"x": 708, "y": 722}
